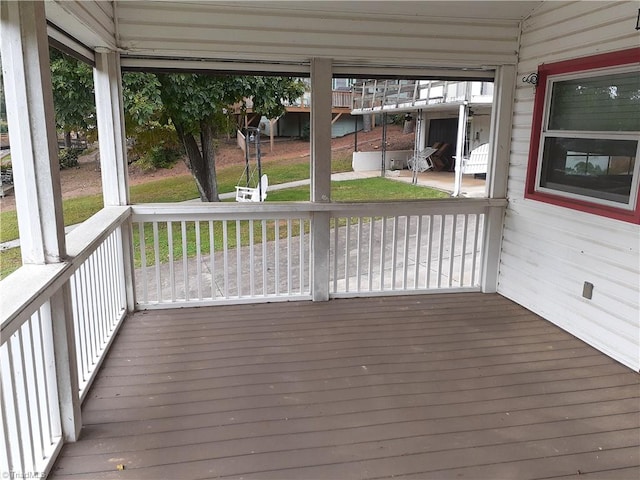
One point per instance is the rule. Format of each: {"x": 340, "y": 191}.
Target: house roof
{"x": 283, "y": 36}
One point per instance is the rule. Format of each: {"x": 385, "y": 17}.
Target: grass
{"x": 180, "y": 188}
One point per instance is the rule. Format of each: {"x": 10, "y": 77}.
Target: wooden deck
{"x": 435, "y": 386}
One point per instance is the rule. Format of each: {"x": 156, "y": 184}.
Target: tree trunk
{"x": 194, "y": 159}
{"x": 67, "y": 139}
{"x": 209, "y": 159}
{"x": 366, "y": 123}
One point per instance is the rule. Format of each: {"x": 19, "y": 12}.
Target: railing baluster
{"x": 31, "y": 390}
{"x": 334, "y": 252}
{"x": 372, "y": 225}
{"x": 21, "y": 399}
{"x": 394, "y": 252}
{"x": 416, "y": 274}
{"x": 475, "y": 249}
{"x": 185, "y": 259}
{"x": 265, "y": 291}
{"x": 277, "y": 255}
{"x": 11, "y": 405}
{"x": 238, "y": 261}
{"x": 156, "y": 257}
{"x": 289, "y": 257}
{"x": 172, "y": 272}
{"x": 39, "y": 362}
{"x": 198, "y": 258}
{"x": 430, "y": 231}
{"x": 347, "y": 246}
{"x": 359, "y": 256}
{"x": 143, "y": 261}
{"x": 463, "y": 254}
{"x": 443, "y": 219}
{"x": 302, "y": 256}
{"x": 405, "y": 270}
{"x": 252, "y": 272}
{"x": 225, "y": 258}
{"x": 452, "y": 247}
{"x": 383, "y": 241}
{"x": 212, "y": 256}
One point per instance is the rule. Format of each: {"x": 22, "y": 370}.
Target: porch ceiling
{"x": 468, "y": 34}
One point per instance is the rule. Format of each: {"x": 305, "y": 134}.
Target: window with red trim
{"x": 585, "y": 139}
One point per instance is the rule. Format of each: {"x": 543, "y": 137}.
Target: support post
{"x": 107, "y": 78}
{"x": 462, "y": 124}
{"x": 498, "y": 169}
{"x": 321, "y": 95}
{"x": 29, "y": 99}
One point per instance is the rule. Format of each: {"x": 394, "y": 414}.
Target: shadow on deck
{"x": 433, "y": 386}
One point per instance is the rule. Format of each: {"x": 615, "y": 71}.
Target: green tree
{"x": 73, "y": 96}
{"x": 198, "y": 104}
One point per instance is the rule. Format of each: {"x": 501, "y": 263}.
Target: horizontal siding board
{"x": 138, "y": 34}
{"x": 294, "y": 34}
{"x": 549, "y": 251}
{"x": 300, "y": 23}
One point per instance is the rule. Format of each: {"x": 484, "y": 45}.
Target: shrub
{"x": 159, "y": 156}
{"x": 68, "y": 157}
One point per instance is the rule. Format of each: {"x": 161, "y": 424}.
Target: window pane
{"x": 591, "y": 167}
{"x": 608, "y": 103}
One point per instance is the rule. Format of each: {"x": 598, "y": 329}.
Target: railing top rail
{"x": 29, "y": 287}
{"x": 233, "y": 211}
{"x": 85, "y": 238}
{"x": 26, "y": 290}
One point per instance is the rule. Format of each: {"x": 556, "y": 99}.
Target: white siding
{"x": 370, "y": 33}
{"x": 548, "y": 251}
{"x": 90, "y": 21}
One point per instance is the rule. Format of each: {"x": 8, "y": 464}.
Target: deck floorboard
{"x": 432, "y": 386}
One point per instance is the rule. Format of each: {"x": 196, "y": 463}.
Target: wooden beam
{"x": 335, "y": 119}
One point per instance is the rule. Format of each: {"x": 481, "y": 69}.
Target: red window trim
{"x": 614, "y": 59}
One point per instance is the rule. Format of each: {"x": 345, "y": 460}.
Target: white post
{"x": 107, "y": 79}
{"x": 462, "y": 124}
{"x": 498, "y": 170}
{"x": 34, "y": 148}
{"x": 321, "y": 75}
{"x": 423, "y": 129}
{"x": 110, "y": 119}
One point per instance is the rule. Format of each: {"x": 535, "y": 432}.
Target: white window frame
{"x": 603, "y": 135}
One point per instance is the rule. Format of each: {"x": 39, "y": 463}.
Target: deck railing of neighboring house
{"x": 32, "y": 317}
{"x": 58, "y": 320}
{"x": 378, "y": 95}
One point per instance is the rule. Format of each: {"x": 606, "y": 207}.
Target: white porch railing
{"x": 190, "y": 254}
{"x": 204, "y": 254}
{"x": 31, "y": 430}
{"x": 428, "y": 247}
{"x": 208, "y": 254}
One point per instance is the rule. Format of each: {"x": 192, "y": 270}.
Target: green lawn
{"x": 180, "y": 188}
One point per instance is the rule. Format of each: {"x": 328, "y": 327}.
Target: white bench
{"x": 478, "y": 160}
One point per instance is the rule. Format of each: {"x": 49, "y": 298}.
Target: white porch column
{"x": 107, "y": 79}
{"x": 498, "y": 171}
{"x": 34, "y": 150}
{"x": 321, "y": 75}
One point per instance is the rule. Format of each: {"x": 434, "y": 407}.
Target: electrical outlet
{"x": 587, "y": 290}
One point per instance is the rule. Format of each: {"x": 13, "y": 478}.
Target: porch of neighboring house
{"x": 423, "y": 386}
